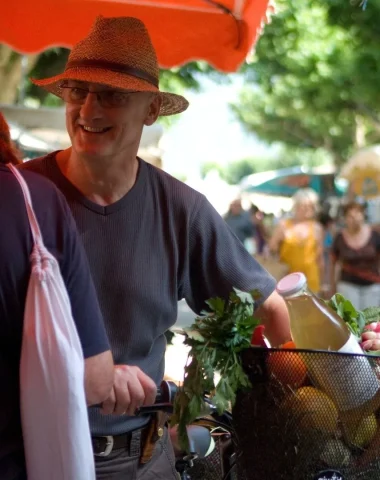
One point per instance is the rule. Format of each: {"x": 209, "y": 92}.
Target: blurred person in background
{"x": 8, "y": 151}
{"x": 61, "y": 238}
{"x": 260, "y": 233}
{"x": 356, "y": 251}
{"x": 329, "y": 231}
{"x": 239, "y": 221}
{"x": 298, "y": 241}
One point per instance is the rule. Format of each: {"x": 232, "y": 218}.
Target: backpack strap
{"x": 35, "y": 228}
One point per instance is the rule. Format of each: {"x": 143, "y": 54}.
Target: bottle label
{"x": 349, "y": 381}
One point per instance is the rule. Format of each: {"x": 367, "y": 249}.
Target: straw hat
{"x": 119, "y": 53}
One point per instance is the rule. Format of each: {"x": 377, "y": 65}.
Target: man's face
{"x": 110, "y": 123}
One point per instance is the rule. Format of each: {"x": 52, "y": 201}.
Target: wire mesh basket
{"x": 215, "y": 466}
{"x": 309, "y": 415}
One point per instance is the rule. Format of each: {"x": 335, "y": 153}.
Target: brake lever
{"x": 157, "y": 407}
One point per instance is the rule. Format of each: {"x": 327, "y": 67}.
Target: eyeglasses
{"x": 106, "y": 98}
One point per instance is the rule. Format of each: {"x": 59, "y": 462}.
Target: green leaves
{"x": 355, "y": 320}
{"x": 371, "y": 314}
{"x": 312, "y": 82}
{"x": 215, "y": 340}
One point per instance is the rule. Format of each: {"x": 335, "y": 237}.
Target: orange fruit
{"x": 287, "y": 367}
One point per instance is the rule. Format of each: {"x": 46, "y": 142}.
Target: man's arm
{"x": 274, "y": 315}
{"x": 219, "y": 263}
{"x": 98, "y": 377}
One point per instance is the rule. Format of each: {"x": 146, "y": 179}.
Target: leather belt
{"x": 131, "y": 441}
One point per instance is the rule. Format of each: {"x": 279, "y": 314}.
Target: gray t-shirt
{"x": 161, "y": 242}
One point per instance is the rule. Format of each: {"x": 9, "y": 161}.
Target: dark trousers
{"x": 120, "y": 466}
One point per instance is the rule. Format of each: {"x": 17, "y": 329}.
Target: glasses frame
{"x": 100, "y": 95}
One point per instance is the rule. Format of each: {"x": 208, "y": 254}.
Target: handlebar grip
{"x": 166, "y": 392}
{"x": 164, "y": 399}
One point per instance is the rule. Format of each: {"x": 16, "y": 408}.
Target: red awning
{"x": 220, "y": 32}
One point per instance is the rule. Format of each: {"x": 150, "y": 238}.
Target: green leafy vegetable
{"x": 216, "y": 339}
{"x": 371, "y": 314}
{"x": 356, "y": 320}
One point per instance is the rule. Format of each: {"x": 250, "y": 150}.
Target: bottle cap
{"x": 291, "y": 284}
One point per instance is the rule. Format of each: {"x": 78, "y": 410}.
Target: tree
{"x": 12, "y": 68}
{"x": 235, "y": 171}
{"x": 313, "y": 80}
{"x": 207, "y": 167}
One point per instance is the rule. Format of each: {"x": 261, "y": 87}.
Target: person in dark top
{"x": 260, "y": 231}
{"x": 356, "y": 249}
{"x": 150, "y": 240}
{"x": 61, "y": 238}
{"x": 240, "y": 221}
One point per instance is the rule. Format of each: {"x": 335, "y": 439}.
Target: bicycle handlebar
{"x": 164, "y": 399}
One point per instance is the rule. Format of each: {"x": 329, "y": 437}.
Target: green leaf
{"x": 371, "y": 314}
{"x": 215, "y": 341}
{"x": 194, "y": 335}
{"x": 312, "y": 78}
{"x": 361, "y": 322}
{"x": 216, "y": 305}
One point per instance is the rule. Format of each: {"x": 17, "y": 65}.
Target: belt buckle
{"x": 109, "y": 446}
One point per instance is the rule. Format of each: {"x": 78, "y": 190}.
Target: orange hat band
{"x": 115, "y": 67}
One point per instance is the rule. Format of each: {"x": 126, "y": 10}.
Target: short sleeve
{"x": 84, "y": 303}
{"x": 219, "y": 262}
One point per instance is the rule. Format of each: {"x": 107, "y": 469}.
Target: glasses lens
{"x": 113, "y": 98}
{"x": 74, "y": 94}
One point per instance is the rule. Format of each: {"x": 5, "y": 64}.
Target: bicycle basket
{"x": 309, "y": 415}
{"x": 214, "y": 466}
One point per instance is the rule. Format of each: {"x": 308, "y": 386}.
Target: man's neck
{"x": 103, "y": 182}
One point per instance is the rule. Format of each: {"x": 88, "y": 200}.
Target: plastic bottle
{"x": 350, "y": 383}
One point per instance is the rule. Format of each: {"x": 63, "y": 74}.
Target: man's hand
{"x": 274, "y": 315}
{"x": 131, "y": 389}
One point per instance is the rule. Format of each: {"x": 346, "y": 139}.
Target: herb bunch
{"x": 356, "y": 320}
{"x": 215, "y": 341}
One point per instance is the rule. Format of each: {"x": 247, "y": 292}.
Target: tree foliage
{"x": 313, "y": 82}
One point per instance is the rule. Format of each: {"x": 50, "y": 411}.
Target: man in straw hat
{"x": 150, "y": 239}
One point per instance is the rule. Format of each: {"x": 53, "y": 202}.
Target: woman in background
{"x": 299, "y": 240}
{"x": 356, "y": 250}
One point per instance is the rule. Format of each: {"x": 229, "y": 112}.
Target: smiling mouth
{"x": 95, "y": 130}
